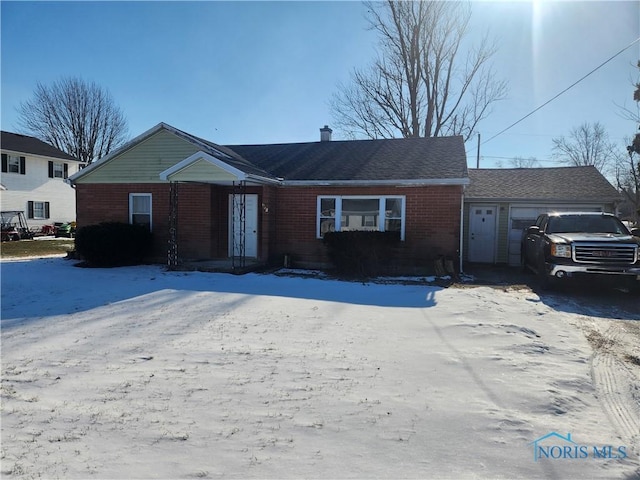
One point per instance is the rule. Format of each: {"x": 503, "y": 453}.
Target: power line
{"x": 563, "y": 91}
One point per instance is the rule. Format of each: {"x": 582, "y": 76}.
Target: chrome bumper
{"x": 567, "y": 270}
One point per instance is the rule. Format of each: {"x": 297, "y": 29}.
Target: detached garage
{"x": 500, "y": 203}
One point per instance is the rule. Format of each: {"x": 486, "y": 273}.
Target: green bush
{"x": 113, "y": 244}
{"x": 361, "y": 253}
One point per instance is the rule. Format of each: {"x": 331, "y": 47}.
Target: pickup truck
{"x": 571, "y": 244}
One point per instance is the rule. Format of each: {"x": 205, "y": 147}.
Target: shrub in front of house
{"x": 113, "y": 244}
{"x": 361, "y": 253}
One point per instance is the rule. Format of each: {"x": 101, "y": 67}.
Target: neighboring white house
{"x": 33, "y": 180}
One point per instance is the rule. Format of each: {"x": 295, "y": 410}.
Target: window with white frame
{"x": 140, "y": 209}
{"x": 345, "y": 213}
{"x": 58, "y": 170}
{"x": 37, "y": 210}
{"x": 326, "y": 215}
{"x": 13, "y": 164}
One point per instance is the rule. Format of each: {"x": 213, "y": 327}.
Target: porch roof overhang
{"x": 202, "y": 167}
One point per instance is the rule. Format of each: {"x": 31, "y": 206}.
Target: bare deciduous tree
{"x": 519, "y": 162}
{"x": 423, "y": 83}
{"x": 628, "y": 167}
{"x": 78, "y": 117}
{"x": 628, "y": 182}
{"x": 587, "y": 144}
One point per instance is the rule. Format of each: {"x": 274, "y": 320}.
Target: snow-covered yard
{"x": 143, "y": 373}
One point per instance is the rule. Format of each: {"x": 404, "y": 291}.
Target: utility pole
{"x": 478, "y": 157}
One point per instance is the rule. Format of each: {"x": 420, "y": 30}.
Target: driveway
{"x": 584, "y": 296}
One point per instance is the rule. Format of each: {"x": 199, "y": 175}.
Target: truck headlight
{"x": 558, "y": 250}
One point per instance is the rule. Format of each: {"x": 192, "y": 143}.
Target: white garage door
{"x": 522, "y": 217}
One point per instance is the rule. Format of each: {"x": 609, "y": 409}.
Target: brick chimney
{"x": 325, "y": 134}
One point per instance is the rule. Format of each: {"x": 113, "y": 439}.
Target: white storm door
{"x": 247, "y": 206}
{"x": 482, "y": 233}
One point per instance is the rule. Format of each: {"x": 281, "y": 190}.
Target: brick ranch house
{"x": 264, "y": 202}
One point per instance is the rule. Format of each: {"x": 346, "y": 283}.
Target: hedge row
{"x": 361, "y": 253}
{"x": 113, "y": 244}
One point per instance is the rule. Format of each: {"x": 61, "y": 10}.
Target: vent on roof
{"x": 325, "y": 134}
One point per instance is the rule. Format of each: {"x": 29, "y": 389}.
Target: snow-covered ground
{"x": 143, "y": 373}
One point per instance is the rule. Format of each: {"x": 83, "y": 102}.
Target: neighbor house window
{"x": 58, "y": 170}
{"x": 345, "y": 213}
{"x": 140, "y": 209}
{"x": 13, "y": 164}
{"x": 38, "y": 210}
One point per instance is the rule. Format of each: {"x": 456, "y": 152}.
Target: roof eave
{"x": 414, "y": 182}
{"x": 33, "y": 154}
{"x": 260, "y": 179}
{"x": 469, "y": 198}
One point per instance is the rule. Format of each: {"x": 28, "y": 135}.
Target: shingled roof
{"x": 18, "y": 143}
{"x": 385, "y": 161}
{"x": 571, "y": 184}
{"x": 223, "y": 153}
{"x": 439, "y": 158}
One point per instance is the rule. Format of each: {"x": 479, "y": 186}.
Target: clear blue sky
{"x": 264, "y": 72}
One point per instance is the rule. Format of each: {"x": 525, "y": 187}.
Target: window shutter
{"x": 23, "y": 165}
{"x": 50, "y": 169}
{"x": 30, "y": 209}
{"x": 66, "y": 170}
{"x": 46, "y": 209}
{"x": 5, "y": 167}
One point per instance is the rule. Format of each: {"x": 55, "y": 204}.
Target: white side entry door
{"x": 482, "y": 233}
{"x": 250, "y": 231}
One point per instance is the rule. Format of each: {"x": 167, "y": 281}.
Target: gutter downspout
{"x": 462, "y": 226}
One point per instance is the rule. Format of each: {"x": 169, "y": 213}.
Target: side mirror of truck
{"x": 635, "y": 232}
{"x": 533, "y": 229}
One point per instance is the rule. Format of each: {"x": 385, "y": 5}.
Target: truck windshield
{"x": 585, "y": 224}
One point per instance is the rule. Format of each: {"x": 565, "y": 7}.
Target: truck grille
{"x": 605, "y": 253}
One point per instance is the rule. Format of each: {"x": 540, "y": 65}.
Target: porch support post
{"x": 172, "y": 254}
{"x": 238, "y": 225}
{"x": 461, "y": 249}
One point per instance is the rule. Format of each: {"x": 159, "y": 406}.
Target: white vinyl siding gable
{"x": 202, "y": 169}
{"x": 143, "y": 162}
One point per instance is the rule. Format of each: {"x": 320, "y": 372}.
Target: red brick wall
{"x": 432, "y": 225}
{"x": 267, "y": 224}
{"x": 196, "y": 224}
{"x": 203, "y": 226}
{"x": 97, "y": 203}
{"x": 286, "y": 219}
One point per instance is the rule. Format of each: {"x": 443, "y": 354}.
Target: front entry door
{"x": 482, "y": 233}
{"x": 243, "y": 225}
